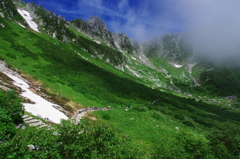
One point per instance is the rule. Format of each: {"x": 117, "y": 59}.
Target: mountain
{"x": 155, "y": 99}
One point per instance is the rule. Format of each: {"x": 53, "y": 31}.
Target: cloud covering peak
{"x": 213, "y": 26}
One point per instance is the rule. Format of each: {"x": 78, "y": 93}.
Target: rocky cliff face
{"x": 18, "y": 2}
{"x": 123, "y": 43}
{"x": 8, "y": 11}
{"x": 95, "y": 29}
{"x": 173, "y": 47}
{"x": 49, "y": 23}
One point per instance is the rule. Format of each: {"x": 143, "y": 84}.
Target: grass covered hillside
{"x": 143, "y": 122}
{"x": 222, "y": 81}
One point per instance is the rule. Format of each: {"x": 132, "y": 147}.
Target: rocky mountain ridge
{"x": 58, "y": 27}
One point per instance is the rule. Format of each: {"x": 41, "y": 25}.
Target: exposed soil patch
{"x": 91, "y": 116}
{"x": 31, "y": 80}
{"x": 6, "y": 83}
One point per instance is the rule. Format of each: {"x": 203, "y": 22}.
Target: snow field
{"x": 133, "y": 58}
{"x": 98, "y": 42}
{"x": 178, "y": 66}
{"x": 26, "y": 15}
{"x": 41, "y": 107}
{"x": 21, "y": 25}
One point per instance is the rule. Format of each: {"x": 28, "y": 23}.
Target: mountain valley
{"x": 166, "y": 101}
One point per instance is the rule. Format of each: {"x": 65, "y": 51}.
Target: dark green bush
{"x": 202, "y": 122}
{"x": 11, "y": 104}
{"x": 139, "y": 109}
{"x": 11, "y": 112}
{"x": 188, "y": 123}
{"x": 156, "y": 116}
{"x": 178, "y": 116}
{"x": 11, "y": 55}
{"x": 183, "y": 146}
{"x": 87, "y": 140}
{"x": 225, "y": 141}
{"x": 106, "y": 116}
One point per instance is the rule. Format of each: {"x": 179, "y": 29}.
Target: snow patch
{"x": 41, "y": 107}
{"x": 98, "y": 42}
{"x": 178, "y": 66}
{"x": 134, "y": 72}
{"x": 26, "y": 15}
{"x": 1, "y": 14}
{"x": 210, "y": 69}
{"x": 190, "y": 66}
{"x": 133, "y": 58}
{"x": 118, "y": 47}
{"x": 2, "y": 25}
{"x": 21, "y": 25}
{"x": 84, "y": 57}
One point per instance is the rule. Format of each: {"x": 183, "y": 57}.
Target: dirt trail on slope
{"x": 80, "y": 114}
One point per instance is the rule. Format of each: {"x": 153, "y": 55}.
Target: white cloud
{"x": 95, "y": 7}
{"x": 214, "y": 27}
{"x": 123, "y": 6}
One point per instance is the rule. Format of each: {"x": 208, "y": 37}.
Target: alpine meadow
{"x": 73, "y": 89}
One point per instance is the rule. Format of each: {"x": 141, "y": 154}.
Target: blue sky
{"x": 139, "y": 19}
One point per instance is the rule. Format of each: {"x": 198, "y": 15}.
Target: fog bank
{"x": 213, "y": 26}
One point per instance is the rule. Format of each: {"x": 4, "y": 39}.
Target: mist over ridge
{"x": 213, "y": 28}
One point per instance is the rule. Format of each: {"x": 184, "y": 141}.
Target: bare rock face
{"x": 232, "y": 97}
{"x": 79, "y": 25}
{"x": 123, "y": 43}
{"x": 7, "y": 9}
{"x": 1, "y": 14}
{"x": 173, "y": 47}
{"x": 31, "y": 6}
{"x": 18, "y": 2}
{"x": 98, "y": 30}
{"x": 96, "y": 25}
{"x": 94, "y": 28}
